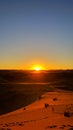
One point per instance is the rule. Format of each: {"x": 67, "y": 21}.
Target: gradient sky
{"x": 36, "y": 32}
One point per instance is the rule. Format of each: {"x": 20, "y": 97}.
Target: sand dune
{"x": 54, "y": 110}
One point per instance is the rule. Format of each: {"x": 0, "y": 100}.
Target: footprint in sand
{"x": 53, "y": 126}
{"x": 5, "y": 128}
{"x": 70, "y": 128}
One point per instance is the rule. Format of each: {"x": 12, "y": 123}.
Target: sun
{"x": 37, "y": 68}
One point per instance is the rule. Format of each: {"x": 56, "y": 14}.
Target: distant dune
{"x": 18, "y": 76}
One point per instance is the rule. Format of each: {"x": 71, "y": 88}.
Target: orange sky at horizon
{"x": 33, "y": 66}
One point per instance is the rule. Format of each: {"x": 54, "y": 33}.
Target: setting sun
{"x": 37, "y": 68}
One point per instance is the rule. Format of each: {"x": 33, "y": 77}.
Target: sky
{"x": 36, "y": 32}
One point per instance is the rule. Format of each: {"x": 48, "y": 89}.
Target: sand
{"x": 54, "y": 110}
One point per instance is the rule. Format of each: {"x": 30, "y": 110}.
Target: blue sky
{"x": 36, "y": 32}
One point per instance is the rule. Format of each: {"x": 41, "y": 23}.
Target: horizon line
{"x": 34, "y": 70}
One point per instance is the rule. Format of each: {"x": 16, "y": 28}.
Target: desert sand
{"x": 54, "y": 110}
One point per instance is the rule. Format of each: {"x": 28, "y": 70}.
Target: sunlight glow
{"x": 37, "y": 68}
